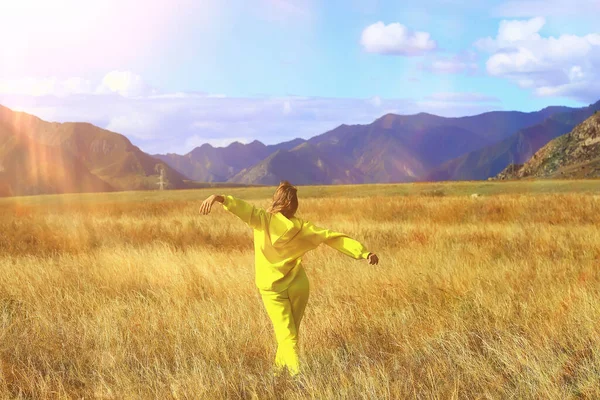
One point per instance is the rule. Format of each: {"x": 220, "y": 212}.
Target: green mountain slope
{"x": 573, "y": 155}
{"x": 516, "y": 149}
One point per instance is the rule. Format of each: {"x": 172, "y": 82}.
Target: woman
{"x": 280, "y": 241}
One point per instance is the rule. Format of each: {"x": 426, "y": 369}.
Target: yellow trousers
{"x": 285, "y": 309}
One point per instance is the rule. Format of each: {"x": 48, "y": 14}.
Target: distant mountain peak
{"x": 219, "y": 164}
{"x": 386, "y": 121}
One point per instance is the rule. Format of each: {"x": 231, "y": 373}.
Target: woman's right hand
{"x": 207, "y": 204}
{"x": 373, "y": 259}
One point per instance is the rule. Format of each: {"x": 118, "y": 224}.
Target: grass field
{"x": 136, "y": 296}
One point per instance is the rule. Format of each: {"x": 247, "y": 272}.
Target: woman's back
{"x": 280, "y": 242}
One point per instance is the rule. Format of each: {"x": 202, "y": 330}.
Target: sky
{"x": 174, "y": 74}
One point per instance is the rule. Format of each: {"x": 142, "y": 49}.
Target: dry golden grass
{"x": 491, "y": 297}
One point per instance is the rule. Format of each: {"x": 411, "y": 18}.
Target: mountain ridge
{"x": 572, "y": 155}
{"x": 488, "y": 161}
{"x": 219, "y": 164}
{"x": 397, "y": 148}
{"x": 84, "y": 156}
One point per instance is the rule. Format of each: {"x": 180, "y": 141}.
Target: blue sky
{"x": 175, "y": 74}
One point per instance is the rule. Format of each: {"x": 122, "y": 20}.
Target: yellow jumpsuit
{"x": 279, "y": 244}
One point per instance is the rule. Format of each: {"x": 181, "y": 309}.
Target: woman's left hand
{"x": 207, "y": 205}
{"x": 373, "y": 259}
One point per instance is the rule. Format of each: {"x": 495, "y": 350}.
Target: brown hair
{"x": 285, "y": 200}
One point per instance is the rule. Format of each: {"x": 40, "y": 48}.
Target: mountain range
{"x": 47, "y": 157}
{"x": 394, "y": 148}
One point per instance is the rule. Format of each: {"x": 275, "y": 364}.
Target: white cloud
{"x": 582, "y": 91}
{"x": 576, "y": 73}
{"x": 511, "y": 32}
{"x": 125, "y": 83}
{"x": 287, "y": 107}
{"x": 375, "y": 101}
{"x": 568, "y": 65}
{"x": 395, "y": 39}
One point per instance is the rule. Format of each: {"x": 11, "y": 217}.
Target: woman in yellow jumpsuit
{"x": 280, "y": 241}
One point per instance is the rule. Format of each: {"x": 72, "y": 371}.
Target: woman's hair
{"x": 285, "y": 200}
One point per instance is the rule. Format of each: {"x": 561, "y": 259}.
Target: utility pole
{"x": 162, "y": 183}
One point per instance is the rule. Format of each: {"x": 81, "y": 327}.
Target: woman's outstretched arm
{"x": 251, "y": 215}
{"x": 342, "y": 243}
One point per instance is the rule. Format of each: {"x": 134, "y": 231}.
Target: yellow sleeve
{"x": 339, "y": 241}
{"x": 251, "y": 215}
